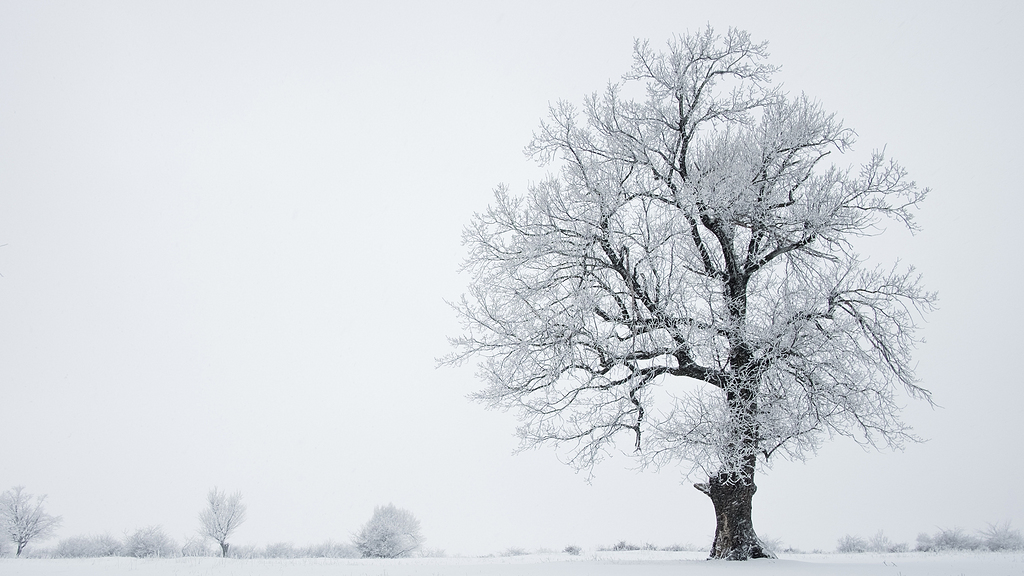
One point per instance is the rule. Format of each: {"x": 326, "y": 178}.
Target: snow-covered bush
{"x": 881, "y": 543}
{"x": 148, "y": 542}
{"x": 244, "y": 552}
{"x": 1001, "y": 537}
{"x": 771, "y": 543}
{"x": 196, "y": 546}
{"x": 88, "y": 547}
{"x": 997, "y": 537}
{"x": 851, "y": 544}
{"x": 572, "y": 550}
{"x": 281, "y": 550}
{"x": 948, "y": 539}
{"x": 680, "y": 548}
{"x": 330, "y": 549}
{"x": 878, "y": 543}
{"x": 956, "y": 539}
{"x": 391, "y": 533}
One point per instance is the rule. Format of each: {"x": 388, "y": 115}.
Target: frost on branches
{"x": 24, "y": 521}
{"x": 392, "y": 532}
{"x": 688, "y": 278}
{"x": 223, "y": 515}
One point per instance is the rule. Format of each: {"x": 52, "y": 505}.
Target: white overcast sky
{"x": 230, "y": 229}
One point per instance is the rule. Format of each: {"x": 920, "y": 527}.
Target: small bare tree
{"x": 23, "y": 520}
{"x": 222, "y": 517}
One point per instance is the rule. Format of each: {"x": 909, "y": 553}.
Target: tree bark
{"x": 223, "y": 549}
{"x": 735, "y": 538}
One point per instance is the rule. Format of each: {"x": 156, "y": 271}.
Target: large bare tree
{"x": 688, "y": 277}
{"x": 24, "y": 520}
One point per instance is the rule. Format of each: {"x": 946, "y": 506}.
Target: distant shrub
{"x": 433, "y": 553}
{"x": 391, "y": 533}
{"x": 851, "y": 544}
{"x": 624, "y": 546}
{"x": 572, "y": 550}
{"x": 948, "y": 539}
{"x": 331, "y": 549}
{"x": 515, "y": 551}
{"x": 881, "y": 543}
{"x": 679, "y": 548}
{"x": 878, "y": 543}
{"x": 88, "y": 547}
{"x": 281, "y": 550}
{"x": 1000, "y": 537}
{"x": 956, "y": 539}
{"x": 149, "y": 542}
{"x": 773, "y": 544}
{"x": 899, "y": 547}
{"x": 196, "y": 546}
{"x": 243, "y": 552}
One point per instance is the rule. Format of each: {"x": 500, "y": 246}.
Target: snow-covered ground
{"x": 640, "y": 563}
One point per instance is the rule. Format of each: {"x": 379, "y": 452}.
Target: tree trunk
{"x": 734, "y": 533}
{"x": 21, "y": 546}
{"x": 223, "y": 549}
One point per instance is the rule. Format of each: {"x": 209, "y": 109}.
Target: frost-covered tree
{"x": 149, "y": 542}
{"x": 23, "y": 520}
{"x": 688, "y": 277}
{"x": 223, "y": 515}
{"x": 392, "y": 532}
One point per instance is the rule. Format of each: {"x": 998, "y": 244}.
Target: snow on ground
{"x": 640, "y": 563}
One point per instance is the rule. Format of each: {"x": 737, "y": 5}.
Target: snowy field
{"x": 641, "y": 563}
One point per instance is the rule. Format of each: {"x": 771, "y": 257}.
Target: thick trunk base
{"x": 223, "y": 549}
{"x": 735, "y": 538}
